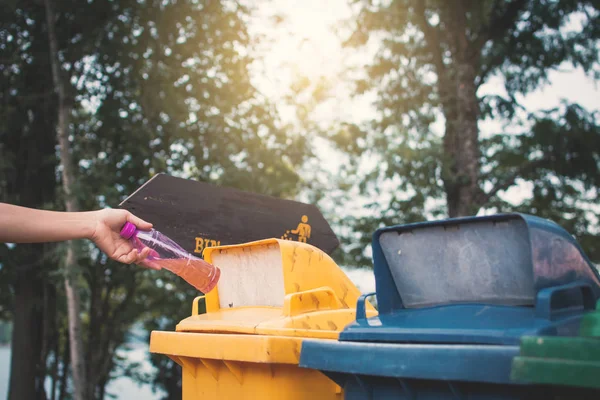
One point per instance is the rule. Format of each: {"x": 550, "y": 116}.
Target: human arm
{"x": 27, "y": 225}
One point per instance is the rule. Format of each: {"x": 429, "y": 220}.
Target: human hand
{"x": 106, "y": 231}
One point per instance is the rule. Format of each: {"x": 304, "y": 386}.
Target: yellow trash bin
{"x": 271, "y": 294}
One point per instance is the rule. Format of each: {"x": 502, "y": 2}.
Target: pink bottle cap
{"x": 128, "y": 230}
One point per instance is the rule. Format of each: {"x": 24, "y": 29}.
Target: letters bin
{"x": 455, "y": 298}
{"x": 272, "y": 294}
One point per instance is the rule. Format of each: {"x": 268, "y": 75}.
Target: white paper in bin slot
{"x": 250, "y": 276}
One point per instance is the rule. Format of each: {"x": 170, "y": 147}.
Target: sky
{"x": 305, "y": 44}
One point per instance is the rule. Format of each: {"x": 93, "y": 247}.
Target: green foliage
{"x": 565, "y": 148}
{"x": 156, "y": 86}
{"x": 428, "y": 53}
{"x": 27, "y": 177}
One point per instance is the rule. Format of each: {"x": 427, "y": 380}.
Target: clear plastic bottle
{"x": 167, "y": 254}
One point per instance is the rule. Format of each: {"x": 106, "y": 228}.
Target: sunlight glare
{"x": 302, "y": 44}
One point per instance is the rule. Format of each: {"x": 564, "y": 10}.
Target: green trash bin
{"x": 565, "y": 361}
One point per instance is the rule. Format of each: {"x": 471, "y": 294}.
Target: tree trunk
{"x": 95, "y": 327}
{"x": 30, "y": 183}
{"x": 461, "y": 141}
{"x": 71, "y": 274}
{"x": 449, "y": 163}
{"x": 66, "y": 357}
{"x": 49, "y": 322}
{"x": 75, "y": 334}
{"x": 101, "y": 389}
{"x": 55, "y": 363}
{"x": 467, "y": 155}
{"x": 25, "y": 344}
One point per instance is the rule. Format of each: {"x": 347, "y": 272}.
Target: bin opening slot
{"x": 250, "y": 276}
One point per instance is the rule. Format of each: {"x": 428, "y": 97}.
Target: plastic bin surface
{"x": 485, "y": 280}
{"x": 455, "y": 298}
{"x": 272, "y": 295}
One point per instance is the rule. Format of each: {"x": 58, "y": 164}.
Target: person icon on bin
{"x": 303, "y": 230}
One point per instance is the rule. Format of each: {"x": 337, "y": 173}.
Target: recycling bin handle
{"x": 195, "y": 307}
{"x": 546, "y": 310}
{"x": 361, "y": 310}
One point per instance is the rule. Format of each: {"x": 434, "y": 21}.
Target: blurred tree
{"x": 433, "y": 58}
{"x": 63, "y": 131}
{"x": 27, "y": 165}
{"x": 173, "y": 94}
{"x": 154, "y": 86}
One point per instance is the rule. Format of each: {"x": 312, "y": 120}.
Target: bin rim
{"x": 443, "y": 362}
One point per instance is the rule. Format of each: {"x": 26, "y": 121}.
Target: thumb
{"x": 138, "y": 222}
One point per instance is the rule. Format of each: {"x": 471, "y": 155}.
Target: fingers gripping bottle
{"x": 165, "y": 253}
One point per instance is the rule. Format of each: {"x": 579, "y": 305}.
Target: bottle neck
{"x": 128, "y": 230}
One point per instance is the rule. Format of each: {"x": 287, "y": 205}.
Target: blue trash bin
{"x": 455, "y": 297}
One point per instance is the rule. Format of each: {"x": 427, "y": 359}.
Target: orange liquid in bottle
{"x": 195, "y": 271}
